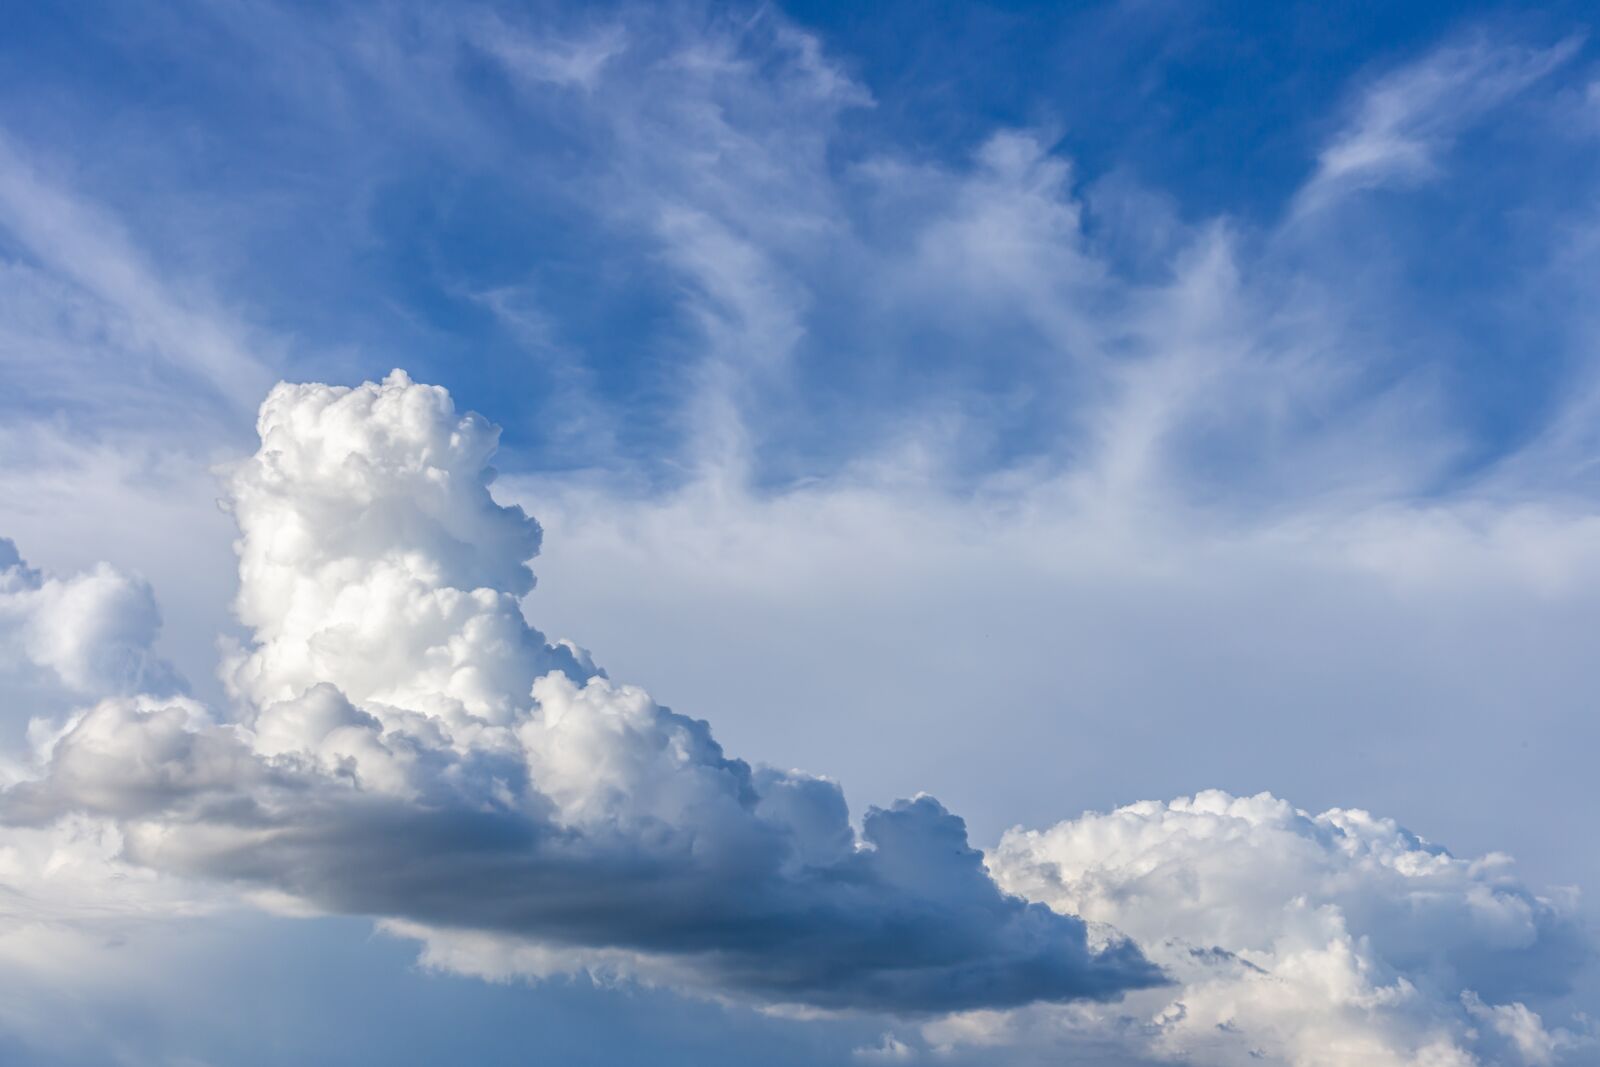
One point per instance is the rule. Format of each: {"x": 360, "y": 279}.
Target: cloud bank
{"x": 405, "y": 746}
{"x": 410, "y": 748}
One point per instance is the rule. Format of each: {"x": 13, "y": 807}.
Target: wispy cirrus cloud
{"x": 147, "y": 322}
{"x": 1405, "y": 119}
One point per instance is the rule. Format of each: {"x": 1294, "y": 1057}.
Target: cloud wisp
{"x": 1404, "y": 120}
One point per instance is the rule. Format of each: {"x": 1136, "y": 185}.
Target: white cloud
{"x": 1312, "y": 941}
{"x": 1406, "y": 118}
{"x": 1522, "y": 1029}
{"x": 374, "y": 559}
{"x": 92, "y": 633}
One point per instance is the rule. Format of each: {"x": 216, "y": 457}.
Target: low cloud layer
{"x": 404, "y": 745}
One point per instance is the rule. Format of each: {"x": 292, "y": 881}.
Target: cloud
{"x": 78, "y": 924}
{"x": 716, "y": 154}
{"x": 572, "y": 64}
{"x": 69, "y": 899}
{"x": 91, "y": 634}
{"x": 1403, "y": 120}
{"x": 92, "y": 268}
{"x": 411, "y": 749}
{"x": 416, "y": 752}
{"x": 122, "y": 379}
{"x": 1338, "y": 938}
{"x": 889, "y": 1049}
{"x": 373, "y": 557}
{"x": 1204, "y": 489}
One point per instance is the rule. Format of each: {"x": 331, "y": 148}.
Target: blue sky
{"x": 1045, "y": 407}
{"x": 358, "y": 218}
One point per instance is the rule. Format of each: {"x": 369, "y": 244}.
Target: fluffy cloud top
{"x": 1309, "y": 940}
{"x": 410, "y": 748}
{"x": 373, "y": 558}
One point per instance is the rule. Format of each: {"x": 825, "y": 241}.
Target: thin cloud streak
{"x": 1407, "y": 118}
{"x": 77, "y": 242}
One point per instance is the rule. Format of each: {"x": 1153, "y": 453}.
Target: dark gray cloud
{"x": 908, "y": 922}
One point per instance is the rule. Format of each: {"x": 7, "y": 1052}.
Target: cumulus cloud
{"x": 1332, "y": 939}
{"x": 372, "y": 558}
{"x": 412, "y": 749}
{"x": 91, "y": 633}
{"x": 68, "y": 896}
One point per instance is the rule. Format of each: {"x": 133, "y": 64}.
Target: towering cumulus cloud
{"x": 409, "y": 748}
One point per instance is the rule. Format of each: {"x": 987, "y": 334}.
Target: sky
{"x": 799, "y": 533}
